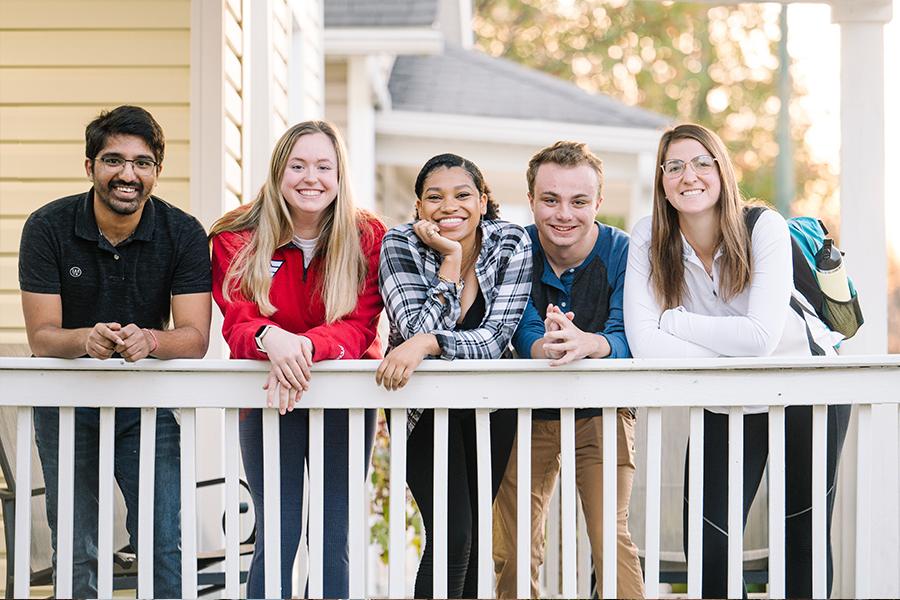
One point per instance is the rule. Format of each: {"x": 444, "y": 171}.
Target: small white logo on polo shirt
{"x": 75, "y": 271}
{"x": 274, "y": 265}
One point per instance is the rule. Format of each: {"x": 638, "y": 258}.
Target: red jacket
{"x": 300, "y": 307}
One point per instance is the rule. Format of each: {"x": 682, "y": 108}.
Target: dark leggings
{"x": 462, "y": 478}
{"x": 294, "y": 448}
{"x": 798, "y": 493}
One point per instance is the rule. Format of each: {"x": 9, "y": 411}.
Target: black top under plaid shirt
{"x": 409, "y": 283}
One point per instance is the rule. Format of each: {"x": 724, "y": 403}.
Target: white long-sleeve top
{"x": 756, "y": 322}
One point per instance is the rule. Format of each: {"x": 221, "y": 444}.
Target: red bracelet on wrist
{"x": 154, "y": 338}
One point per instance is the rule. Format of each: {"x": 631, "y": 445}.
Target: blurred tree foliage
{"x": 715, "y": 65}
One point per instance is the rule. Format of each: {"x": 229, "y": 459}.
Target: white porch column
{"x": 641, "y": 203}
{"x": 863, "y": 235}
{"x": 361, "y": 130}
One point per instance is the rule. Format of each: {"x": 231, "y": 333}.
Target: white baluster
{"x": 735, "y": 501}
{"x": 65, "y": 512}
{"x": 485, "y": 500}
{"x": 819, "y": 483}
{"x": 22, "y": 565}
{"x": 776, "y": 502}
{"x": 146, "y": 502}
{"x": 610, "y": 494}
{"x": 653, "y": 489}
{"x": 440, "y": 526}
{"x": 105, "y": 511}
{"x": 232, "y": 501}
{"x": 863, "y": 501}
{"x": 271, "y": 429}
{"x": 356, "y": 502}
{"x": 316, "y": 530}
{"x": 188, "y": 502}
{"x": 695, "y": 506}
{"x": 397, "y": 582}
{"x": 523, "y": 504}
{"x": 567, "y": 500}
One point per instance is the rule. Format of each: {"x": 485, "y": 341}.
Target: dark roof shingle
{"x": 469, "y": 82}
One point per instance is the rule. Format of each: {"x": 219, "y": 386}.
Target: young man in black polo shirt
{"x": 99, "y": 273}
{"x": 575, "y": 312}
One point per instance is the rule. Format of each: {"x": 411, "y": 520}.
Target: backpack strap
{"x": 751, "y": 216}
{"x": 814, "y": 347}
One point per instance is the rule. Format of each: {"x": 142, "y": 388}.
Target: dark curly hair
{"x": 448, "y": 161}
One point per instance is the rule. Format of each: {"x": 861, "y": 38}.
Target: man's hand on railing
{"x": 102, "y": 340}
{"x": 291, "y": 357}
{"x": 136, "y": 343}
{"x": 564, "y": 342}
{"x": 398, "y": 366}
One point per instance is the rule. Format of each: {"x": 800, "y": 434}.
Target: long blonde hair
{"x": 666, "y": 266}
{"x": 269, "y": 220}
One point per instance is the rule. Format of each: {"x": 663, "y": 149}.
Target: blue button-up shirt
{"x": 611, "y": 247}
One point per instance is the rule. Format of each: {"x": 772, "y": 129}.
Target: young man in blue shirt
{"x": 575, "y": 312}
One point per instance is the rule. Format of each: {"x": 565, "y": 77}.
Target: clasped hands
{"x": 291, "y": 357}
{"x": 564, "y": 342}
{"x": 131, "y": 342}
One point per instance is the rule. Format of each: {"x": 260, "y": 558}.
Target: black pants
{"x": 798, "y": 492}
{"x": 462, "y": 493}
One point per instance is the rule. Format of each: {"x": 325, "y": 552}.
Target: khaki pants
{"x": 545, "y": 465}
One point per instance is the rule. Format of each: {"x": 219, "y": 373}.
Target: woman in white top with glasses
{"x": 700, "y": 284}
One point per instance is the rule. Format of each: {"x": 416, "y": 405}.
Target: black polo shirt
{"x": 62, "y": 252}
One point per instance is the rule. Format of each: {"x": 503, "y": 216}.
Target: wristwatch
{"x": 260, "y": 334}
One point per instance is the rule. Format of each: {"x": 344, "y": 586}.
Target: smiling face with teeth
{"x": 691, "y": 193}
{"x": 564, "y": 204}
{"x": 123, "y": 190}
{"x": 310, "y": 182}
{"x": 451, "y": 200}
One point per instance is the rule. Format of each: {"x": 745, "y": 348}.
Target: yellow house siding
{"x": 336, "y": 93}
{"x": 61, "y": 63}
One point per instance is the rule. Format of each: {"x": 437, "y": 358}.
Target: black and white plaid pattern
{"x": 409, "y": 284}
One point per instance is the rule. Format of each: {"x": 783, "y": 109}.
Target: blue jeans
{"x": 294, "y": 443}
{"x": 167, "y": 496}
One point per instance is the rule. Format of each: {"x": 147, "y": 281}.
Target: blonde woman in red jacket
{"x": 295, "y": 274}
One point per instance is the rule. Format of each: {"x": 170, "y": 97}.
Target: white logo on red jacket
{"x": 274, "y": 265}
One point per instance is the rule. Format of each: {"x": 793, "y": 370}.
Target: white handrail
{"x": 483, "y": 385}
{"x": 461, "y": 384}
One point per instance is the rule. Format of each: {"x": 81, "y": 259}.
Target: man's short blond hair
{"x": 565, "y": 154}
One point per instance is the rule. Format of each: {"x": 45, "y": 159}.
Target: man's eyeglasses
{"x": 141, "y": 165}
{"x": 701, "y": 165}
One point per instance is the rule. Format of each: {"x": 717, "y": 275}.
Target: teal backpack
{"x": 807, "y": 238}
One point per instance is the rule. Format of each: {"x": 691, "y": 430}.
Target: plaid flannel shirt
{"x": 409, "y": 284}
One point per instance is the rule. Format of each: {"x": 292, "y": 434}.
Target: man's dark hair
{"x": 447, "y": 161}
{"x": 124, "y": 120}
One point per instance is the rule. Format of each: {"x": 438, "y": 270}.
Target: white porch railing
{"x": 482, "y": 385}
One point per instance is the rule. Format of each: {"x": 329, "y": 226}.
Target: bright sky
{"x": 815, "y": 45}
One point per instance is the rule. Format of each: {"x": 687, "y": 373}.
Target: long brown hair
{"x": 269, "y": 220}
{"x": 666, "y": 266}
